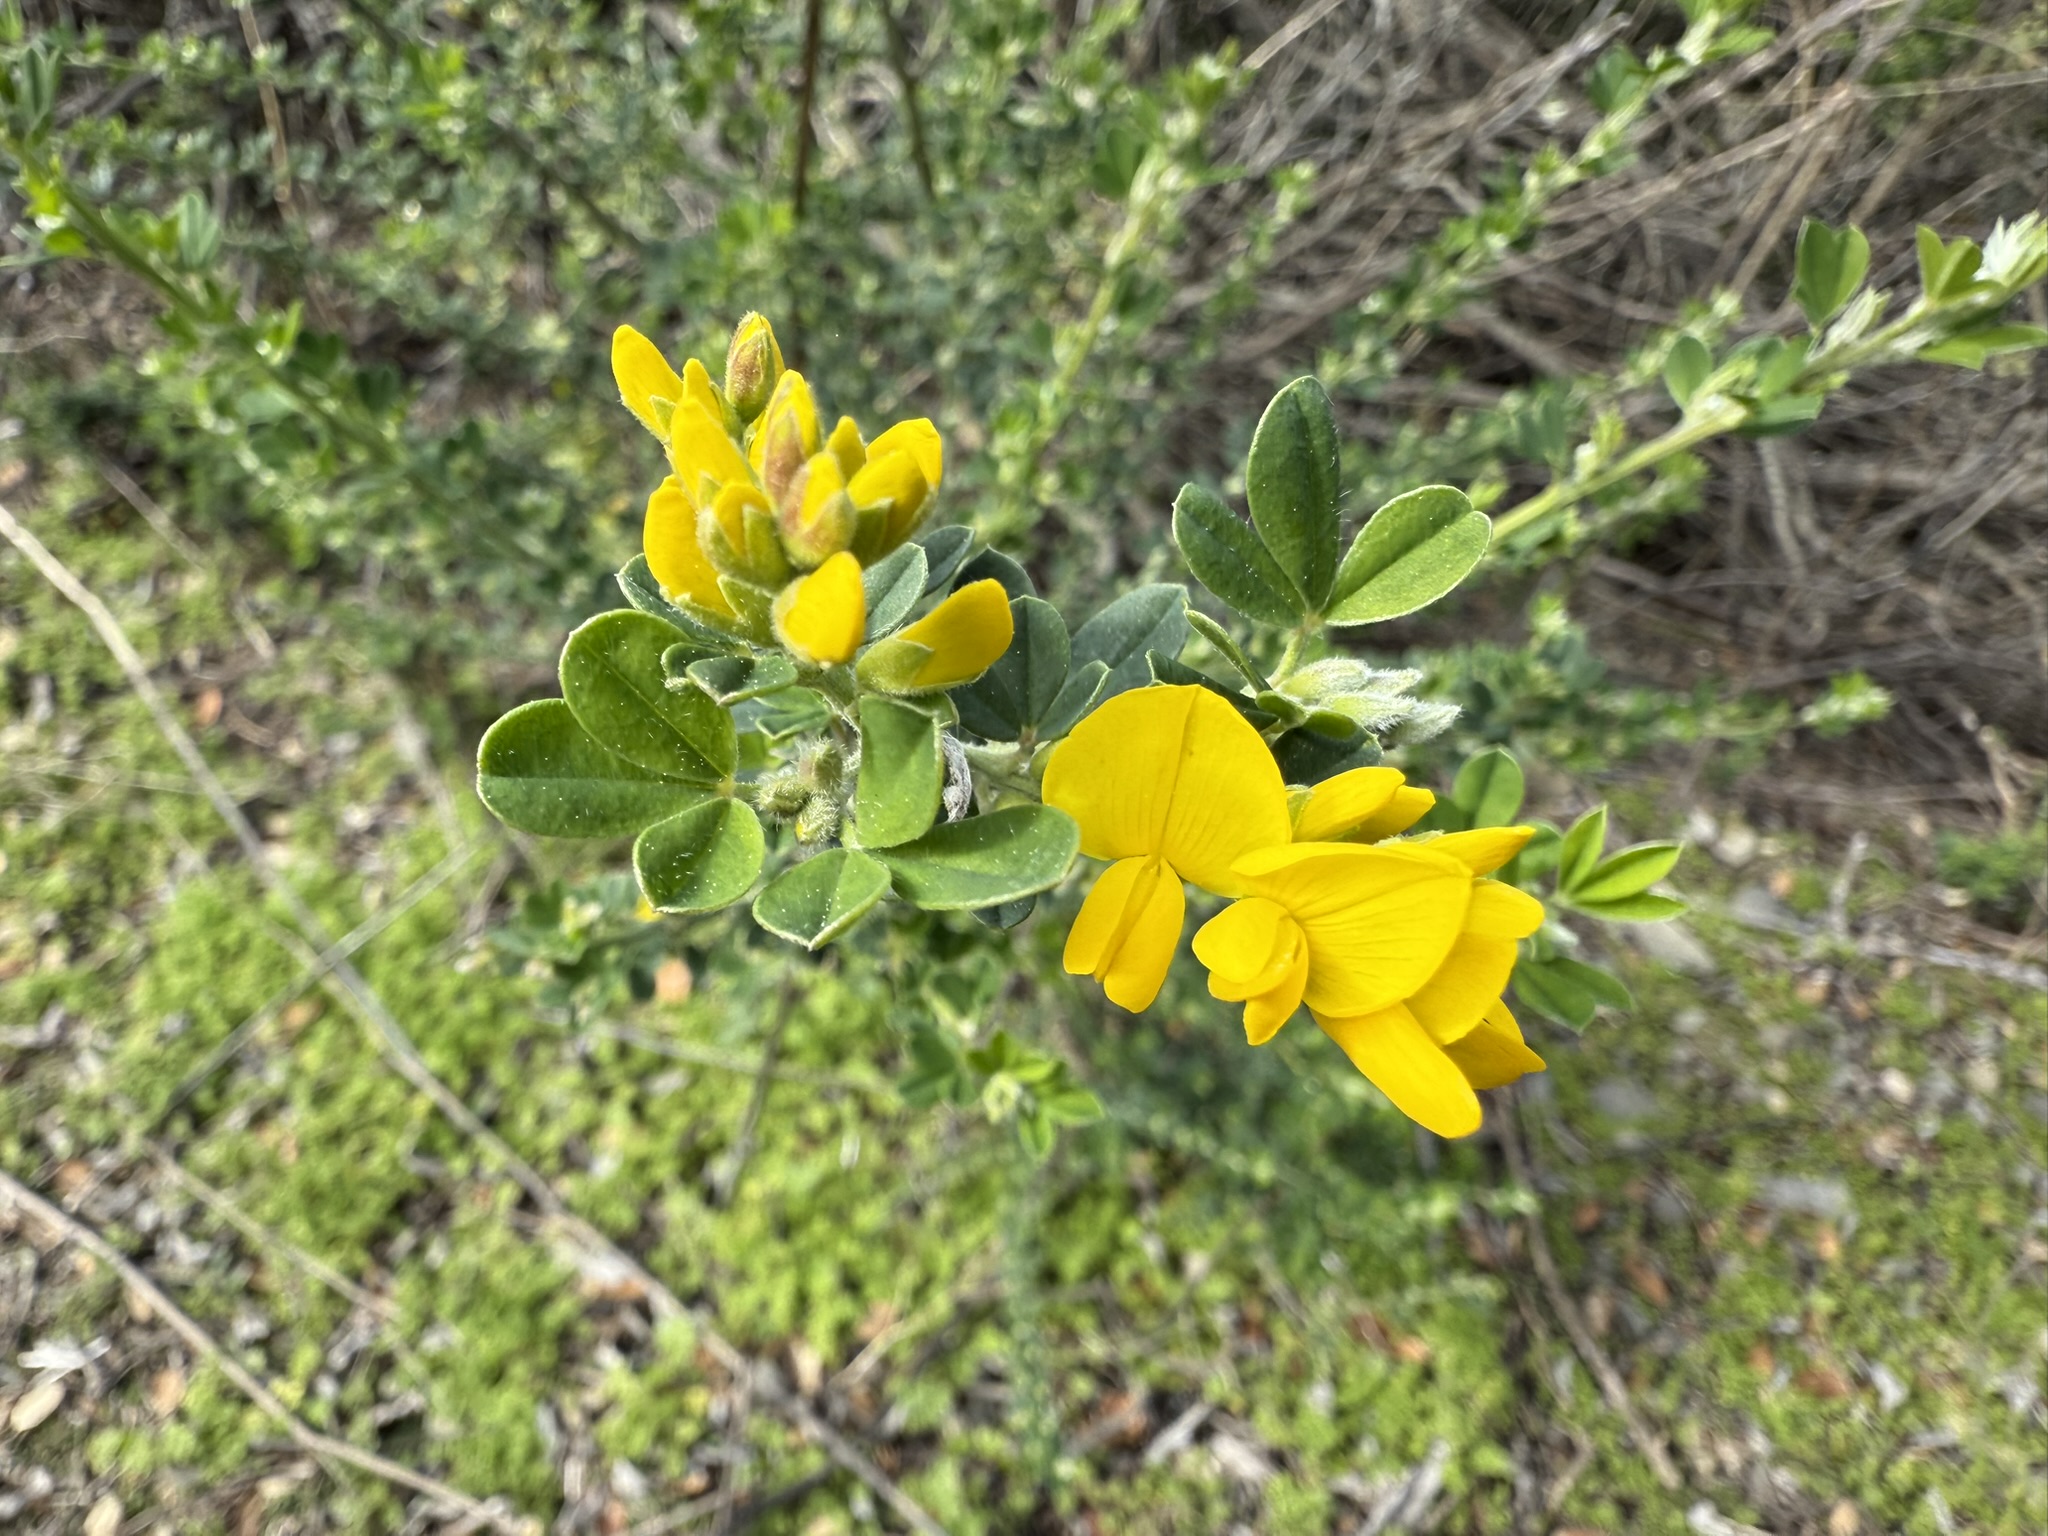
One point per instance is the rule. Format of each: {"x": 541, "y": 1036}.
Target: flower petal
{"x": 705, "y": 459}
{"x": 846, "y": 446}
{"x": 1338, "y": 806}
{"x": 673, "y": 553}
{"x": 965, "y": 634}
{"x": 1264, "y": 1014}
{"x": 1399, "y": 1058}
{"x": 1407, "y": 806}
{"x": 642, "y": 375}
{"x": 1173, "y": 771}
{"x": 1499, "y": 911}
{"x": 1127, "y": 931}
{"x": 891, "y": 480}
{"x": 1484, "y": 849}
{"x": 1453, "y": 1001}
{"x": 1379, "y": 921}
{"x": 819, "y": 618}
{"x": 918, "y": 438}
{"x": 1237, "y": 944}
{"x": 1494, "y": 1053}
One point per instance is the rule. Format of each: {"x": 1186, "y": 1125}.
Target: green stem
{"x": 1690, "y": 431}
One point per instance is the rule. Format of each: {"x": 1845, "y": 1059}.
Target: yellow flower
{"x": 1168, "y": 784}
{"x": 757, "y": 487}
{"x": 955, "y": 643}
{"x": 1452, "y": 1034}
{"x": 820, "y": 618}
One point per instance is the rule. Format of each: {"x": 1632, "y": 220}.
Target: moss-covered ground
{"x": 1796, "y": 1199}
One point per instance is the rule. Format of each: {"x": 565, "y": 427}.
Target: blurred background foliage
{"x": 307, "y": 379}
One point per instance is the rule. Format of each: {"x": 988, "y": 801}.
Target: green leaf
{"x": 1309, "y": 757}
{"x": 786, "y": 713}
{"x": 1413, "y": 550}
{"x": 814, "y": 902}
{"x": 944, "y": 548}
{"x": 1019, "y": 690}
{"x": 1227, "y": 645}
{"x": 640, "y": 588}
{"x": 1081, "y": 692}
{"x": 1489, "y": 789}
{"x": 612, "y": 679}
{"x": 1568, "y": 991}
{"x": 1291, "y": 481}
{"x": 1686, "y": 368}
{"x": 1968, "y": 349}
{"x": 1787, "y": 413}
{"x": 1945, "y": 269}
{"x": 984, "y": 861}
{"x": 901, "y": 773}
{"x": 893, "y": 585}
{"x": 541, "y": 772}
{"x": 1830, "y": 266}
{"x": 1581, "y": 848}
{"x": 994, "y": 565}
{"x": 701, "y": 860}
{"x": 730, "y": 680}
{"x": 1228, "y": 558}
{"x": 1627, "y": 873}
{"x": 1634, "y": 909}
{"x": 1148, "y": 618}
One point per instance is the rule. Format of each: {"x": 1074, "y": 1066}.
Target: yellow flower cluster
{"x": 766, "y": 520}
{"x": 1399, "y": 949}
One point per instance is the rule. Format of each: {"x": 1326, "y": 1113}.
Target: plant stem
{"x": 1693, "y": 429}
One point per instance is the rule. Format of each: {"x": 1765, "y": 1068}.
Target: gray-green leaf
{"x": 1413, "y": 550}
{"x": 701, "y": 860}
{"x": 730, "y": 680}
{"x": 893, "y": 584}
{"x": 541, "y": 772}
{"x": 1627, "y": 873}
{"x": 985, "y": 861}
{"x": 814, "y": 902}
{"x": 944, "y": 548}
{"x": 1228, "y": 558}
{"x": 637, "y": 582}
{"x": 1079, "y": 694}
{"x": 1291, "y": 482}
{"x": 612, "y": 679}
{"x": 901, "y": 772}
{"x": 1148, "y": 618}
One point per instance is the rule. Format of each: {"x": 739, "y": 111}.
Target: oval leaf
{"x": 1227, "y": 558}
{"x": 1627, "y": 873}
{"x": 944, "y": 548}
{"x": 1291, "y": 482}
{"x": 612, "y": 679}
{"x": 1148, "y": 618}
{"x": 541, "y": 772}
{"x": 814, "y": 902}
{"x": 1581, "y": 848}
{"x": 637, "y": 582}
{"x": 901, "y": 773}
{"x": 1078, "y": 694}
{"x": 1413, "y": 550}
{"x": 1489, "y": 789}
{"x": 985, "y": 861}
{"x": 701, "y": 860}
{"x": 892, "y": 585}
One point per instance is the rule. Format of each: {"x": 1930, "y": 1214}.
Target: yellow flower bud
{"x": 815, "y": 518}
{"x": 892, "y": 486}
{"x": 955, "y": 643}
{"x": 785, "y": 436}
{"x": 753, "y": 366}
{"x": 820, "y": 618}
{"x": 846, "y": 446}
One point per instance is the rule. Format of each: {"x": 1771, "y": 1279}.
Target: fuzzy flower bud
{"x": 753, "y": 366}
